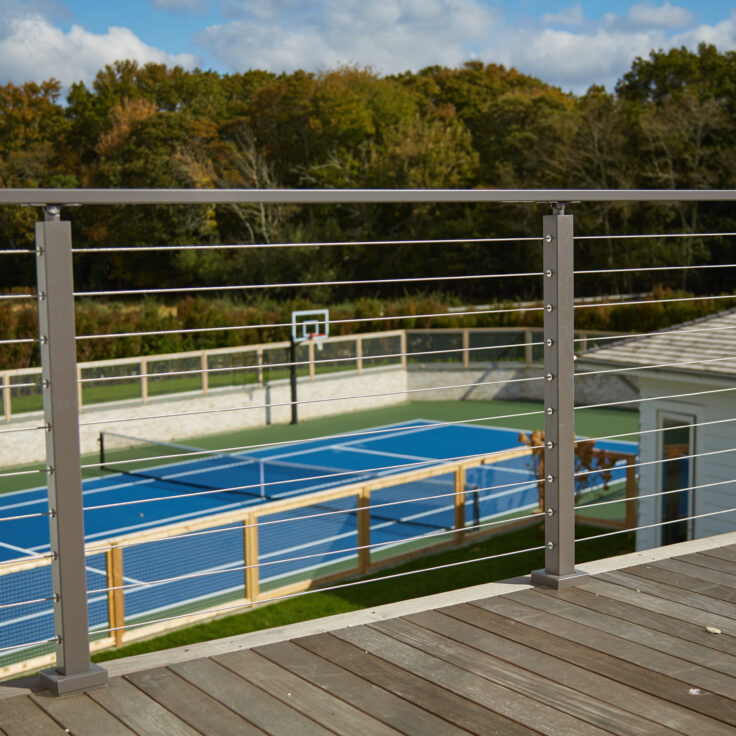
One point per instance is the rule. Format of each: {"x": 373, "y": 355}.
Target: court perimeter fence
{"x": 89, "y": 616}
{"x": 142, "y": 378}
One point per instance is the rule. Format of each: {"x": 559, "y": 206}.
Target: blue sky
{"x": 571, "y": 44}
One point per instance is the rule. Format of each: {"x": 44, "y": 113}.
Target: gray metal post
{"x": 74, "y": 671}
{"x": 559, "y": 402}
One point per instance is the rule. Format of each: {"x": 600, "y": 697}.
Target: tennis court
{"x": 189, "y": 572}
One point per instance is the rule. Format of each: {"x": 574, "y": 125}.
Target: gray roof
{"x": 706, "y": 344}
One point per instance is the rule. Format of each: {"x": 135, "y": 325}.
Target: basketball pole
{"x": 294, "y": 415}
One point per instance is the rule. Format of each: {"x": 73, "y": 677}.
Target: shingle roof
{"x": 708, "y": 342}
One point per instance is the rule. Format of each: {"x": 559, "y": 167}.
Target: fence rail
{"x": 141, "y": 378}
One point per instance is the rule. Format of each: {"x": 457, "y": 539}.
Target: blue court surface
{"x": 194, "y": 572}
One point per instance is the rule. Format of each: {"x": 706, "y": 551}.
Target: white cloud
{"x": 664, "y": 16}
{"x": 34, "y": 49}
{"x": 722, "y": 35}
{"x": 391, "y": 36}
{"x": 570, "y": 17}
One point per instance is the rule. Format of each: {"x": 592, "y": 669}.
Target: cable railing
{"x": 177, "y": 532}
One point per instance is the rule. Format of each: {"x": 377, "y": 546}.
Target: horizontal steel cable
{"x": 321, "y": 361}
{"x": 658, "y": 333}
{"x": 658, "y": 523}
{"x": 11, "y": 386}
{"x": 654, "y": 301}
{"x": 325, "y": 589}
{"x": 359, "y": 433}
{"x": 29, "y": 644}
{"x": 23, "y": 429}
{"x": 18, "y": 251}
{"x": 27, "y": 603}
{"x": 17, "y": 296}
{"x": 655, "y": 365}
{"x": 247, "y": 246}
{"x": 660, "y": 461}
{"x": 16, "y": 560}
{"x": 651, "y": 495}
{"x": 189, "y": 330}
{"x": 511, "y": 488}
{"x": 336, "y": 474}
{"x": 22, "y": 472}
{"x": 644, "y": 269}
{"x": 19, "y": 341}
{"x": 298, "y": 284}
{"x": 99, "y": 422}
{"x": 654, "y": 398}
{"x": 657, "y": 429}
{"x": 301, "y": 558}
{"x": 653, "y": 235}
{"x": 25, "y": 516}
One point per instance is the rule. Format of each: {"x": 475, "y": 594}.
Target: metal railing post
{"x": 74, "y": 671}
{"x": 559, "y": 402}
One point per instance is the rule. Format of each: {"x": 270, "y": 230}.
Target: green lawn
{"x": 372, "y": 590}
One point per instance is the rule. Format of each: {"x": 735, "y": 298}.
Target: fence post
{"x": 528, "y": 356}
{"x": 252, "y": 582}
{"x": 311, "y": 359}
{"x": 6, "y": 396}
{"x": 359, "y": 353}
{"x": 115, "y": 595}
{"x": 144, "y": 380}
{"x": 403, "y": 349}
{"x": 559, "y": 398}
{"x": 259, "y": 358}
{"x": 74, "y": 671}
{"x": 460, "y": 505}
{"x": 79, "y": 387}
{"x": 466, "y": 348}
{"x": 205, "y": 375}
{"x": 364, "y": 529}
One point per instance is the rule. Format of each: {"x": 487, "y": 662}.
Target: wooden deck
{"x": 648, "y": 646}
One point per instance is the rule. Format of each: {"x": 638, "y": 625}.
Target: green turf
{"x": 472, "y": 570}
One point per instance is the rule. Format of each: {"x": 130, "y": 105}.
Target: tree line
{"x": 670, "y": 122}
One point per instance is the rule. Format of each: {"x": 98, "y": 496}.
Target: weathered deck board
{"x": 204, "y": 714}
{"x": 445, "y": 705}
{"x": 497, "y": 698}
{"x": 21, "y": 717}
{"x": 249, "y": 701}
{"x": 467, "y": 626}
{"x": 634, "y": 632}
{"x": 529, "y": 683}
{"x": 624, "y": 654}
{"x": 141, "y": 714}
{"x": 313, "y": 702}
{"x": 400, "y": 714}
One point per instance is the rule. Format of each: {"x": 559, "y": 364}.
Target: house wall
{"x": 711, "y": 438}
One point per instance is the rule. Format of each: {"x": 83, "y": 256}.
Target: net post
{"x": 459, "y": 505}
{"x": 559, "y": 421}
{"x": 73, "y": 672}
{"x": 115, "y": 596}
{"x": 466, "y": 347}
{"x": 144, "y": 379}
{"x": 364, "y": 530}
{"x": 294, "y": 411}
{"x": 252, "y": 582}
{"x": 359, "y": 353}
{"x": 6, "y": 396}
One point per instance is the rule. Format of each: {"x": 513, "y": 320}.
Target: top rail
{"x": 44, "y": 197}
